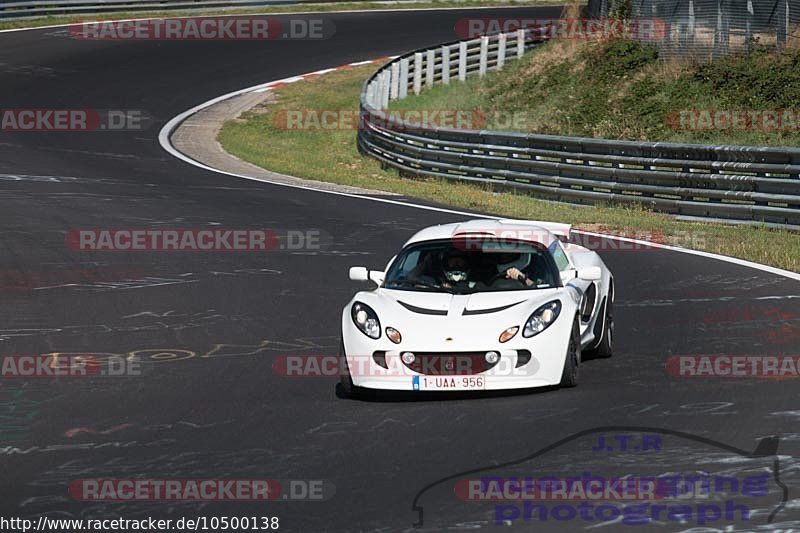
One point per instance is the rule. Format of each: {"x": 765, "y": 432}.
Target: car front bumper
{"x": 544, "y": 368}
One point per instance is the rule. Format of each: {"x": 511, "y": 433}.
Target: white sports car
{"x": 479, "y": 305}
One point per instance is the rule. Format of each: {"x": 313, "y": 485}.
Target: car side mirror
{"x": 359, "y": 274}
{"x": 590, "y": 273}
{"x": 364, "y": 274}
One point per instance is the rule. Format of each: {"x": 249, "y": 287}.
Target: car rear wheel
{"x": 605, "y": 349}
{"x": 569, "y": 377}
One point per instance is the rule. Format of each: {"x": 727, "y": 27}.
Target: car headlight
{"x": 541, "y": 319}
{"x": 366, "y": 320}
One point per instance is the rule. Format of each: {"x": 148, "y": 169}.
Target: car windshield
{"x": 448, "y": 266}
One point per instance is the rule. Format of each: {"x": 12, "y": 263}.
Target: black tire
{"x": 605, "y": 349}
{"x": 346, "y": 387}
{"x": 569, "y": 377}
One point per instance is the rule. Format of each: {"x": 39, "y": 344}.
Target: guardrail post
{"x": 417, "y": 72}
{"x": 520, "y": 42}
{"x": 429, "y": 68}
{"x": 403, "y": 89}
{"x": 484, "y": 56}
{"x": 462, "y": 61}
{"x": 376, "y": 97}
{"x": 782, "y": 12}
{"x": 722, "y": 30}
{"x": 386, "y": 82}
{"x": 395, "y": 80}
{"x": 446, "y": 65}
{"x": 501, "y": 51}
{"x": 371, "y": 95}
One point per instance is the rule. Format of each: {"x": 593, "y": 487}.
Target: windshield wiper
{"x": 415, "y": 283}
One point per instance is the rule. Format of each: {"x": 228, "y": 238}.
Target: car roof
{"x": 521, "y": 230}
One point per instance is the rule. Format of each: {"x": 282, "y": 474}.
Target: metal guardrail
{"x": 41, "y": 8}
{"x": 735, "y": 183}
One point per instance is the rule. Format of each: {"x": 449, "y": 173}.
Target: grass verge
{"x": 258, "y": 136}
{"x": 297, "y": 8}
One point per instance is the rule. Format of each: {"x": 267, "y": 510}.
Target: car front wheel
{"x": 569, "y": 377}
{"x": 346, "y": 387}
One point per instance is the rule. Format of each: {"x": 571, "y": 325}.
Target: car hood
{"x": 428, "y": 318}
{"x": 480, "y": 303}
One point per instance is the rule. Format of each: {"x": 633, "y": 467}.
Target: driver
{"x": 512, "y": 264}
{"x": 455, "y": 268}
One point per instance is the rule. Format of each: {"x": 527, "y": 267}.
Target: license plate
{"x": 446, "y": 383}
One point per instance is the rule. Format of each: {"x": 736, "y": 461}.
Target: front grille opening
{"x": 450, "y": 364}
{"x": 380, "y": 359}
{"x": 523, "y": 358}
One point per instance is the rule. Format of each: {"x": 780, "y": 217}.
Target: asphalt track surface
{"x": 206, "y": 327}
